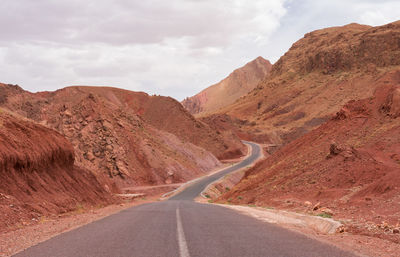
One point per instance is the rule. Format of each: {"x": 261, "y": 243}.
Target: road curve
{"x": 182, "y": 228}
{"x": 194, "y": 189}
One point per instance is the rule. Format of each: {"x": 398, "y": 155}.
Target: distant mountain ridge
{"x": 237, "y": 84}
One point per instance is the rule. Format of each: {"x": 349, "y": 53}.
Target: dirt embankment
{"x": 317, "y": 76}
{"x": 38, "y": 176}
{"x": 224, "y": 93}
{"x": 348, "y": 167}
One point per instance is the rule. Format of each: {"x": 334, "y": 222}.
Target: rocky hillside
{"x": 224, "y": 93}
{"x": 120, "y": 135}
{"x": 350, "y": 166}
{"x": 165, "y": 113}
{"x": 315, "y": 78}
{"x": 38, "y": 176}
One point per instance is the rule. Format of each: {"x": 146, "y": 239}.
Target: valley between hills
{"x": 327, "y": 115}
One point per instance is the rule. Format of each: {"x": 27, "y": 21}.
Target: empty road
{"x": 182, "y": 228}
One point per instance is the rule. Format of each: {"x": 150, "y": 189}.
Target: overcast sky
{"x": 174, "y": 47}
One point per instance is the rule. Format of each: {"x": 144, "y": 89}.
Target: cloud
{"x": 171, "y": 47}
{"x": 136, "y": 22}
{"x": 174, "y": 47}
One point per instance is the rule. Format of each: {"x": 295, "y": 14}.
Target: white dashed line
{"x": 183, "y": 249}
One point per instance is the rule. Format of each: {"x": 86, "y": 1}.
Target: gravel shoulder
{"x": 318, "y": 228}
{"x": 321, "y": 229}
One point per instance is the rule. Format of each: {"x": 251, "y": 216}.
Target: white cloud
{"x": 174, "y": 47}
{"x": 171, "y": 47}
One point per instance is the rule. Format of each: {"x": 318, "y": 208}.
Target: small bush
{"x": 324, "y": 215}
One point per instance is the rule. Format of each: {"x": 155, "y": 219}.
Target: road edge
{"x": 182, "y": 187}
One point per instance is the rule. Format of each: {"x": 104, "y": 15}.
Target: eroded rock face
{"x": 334, "y": 149}
{"x": 38, "y": 175}
{"x": 392, "y": 105}
{"x": 196, "y": 103}
{"x": 345, "y": 48}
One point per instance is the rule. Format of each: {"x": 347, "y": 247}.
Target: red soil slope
{"x": 118, "y": 134}
{"x": 37, "y": 174}
{"x": 224, "y": 93}
{"x": 350, "y": 164}
{"x": 316, "y": 77}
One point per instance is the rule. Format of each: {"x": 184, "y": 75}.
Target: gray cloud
{"x": 174, "y": 47}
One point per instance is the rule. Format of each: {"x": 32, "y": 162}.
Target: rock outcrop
{"x": 38, "y": 176}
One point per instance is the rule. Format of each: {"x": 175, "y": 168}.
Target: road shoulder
{"x": 322, "y": 229}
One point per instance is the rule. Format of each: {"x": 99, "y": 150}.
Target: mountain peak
{"x": 238, "y": 83}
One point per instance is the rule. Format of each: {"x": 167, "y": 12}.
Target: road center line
{"x": 183, "y": 249}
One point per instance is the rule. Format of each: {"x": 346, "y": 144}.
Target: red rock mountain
{"x": 38, "y": 175}
{"x": 317, "y": 76}
{"x": 350, "y": 164}
{"x": 126, "y": 138}
{"x": 224, "y": 93}
{"x": 331, "y": 105}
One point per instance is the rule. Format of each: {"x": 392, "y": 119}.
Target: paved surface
{"x": 196, "y": 188}
{"x": 180, "y": 227}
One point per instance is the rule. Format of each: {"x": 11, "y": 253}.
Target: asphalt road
{"x": 180, "y": 227}
{"x": 196, "y": 188}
